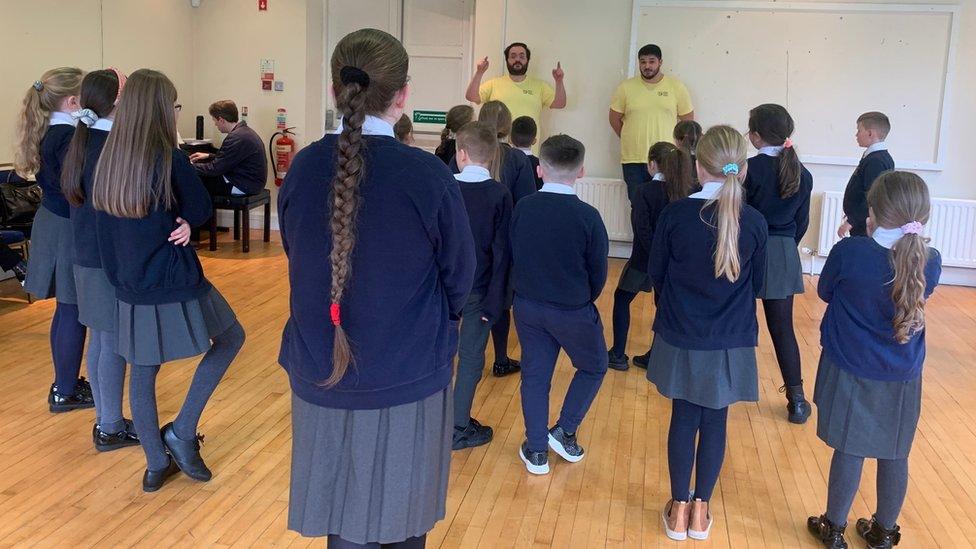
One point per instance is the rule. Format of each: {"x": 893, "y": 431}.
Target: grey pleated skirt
{"x": 784, "y": 274}
{"x": 866, "y": 417}
{"x": 97, "y": 304}
{"x": 154, "y": 334}
{"x": 634, "y": 280}
{"x": 713, "y": 379}
{"x": 50, "y": 268}
{"x": 370, "y": 476}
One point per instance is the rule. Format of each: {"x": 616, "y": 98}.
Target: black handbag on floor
{"x": 19, "y": 200}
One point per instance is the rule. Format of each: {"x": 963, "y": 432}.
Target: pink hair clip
{"x": 912, "y": 228}
{"x": 788, "y": 144}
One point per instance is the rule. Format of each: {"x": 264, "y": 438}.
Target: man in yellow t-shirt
{"x": 643, "y": 111}
{"x": 523, "y": 95}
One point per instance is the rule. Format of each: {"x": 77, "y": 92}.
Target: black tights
{"x": 419, "y": 542}
{"x": 779, "y": 320}
{"x": 499, "y": 335}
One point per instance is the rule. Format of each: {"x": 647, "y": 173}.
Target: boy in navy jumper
{"x": 524, "y": 132}
{"x": 872, "y": 130}
{"x": 559, "y": 252}
{"x": 489, "y": 207}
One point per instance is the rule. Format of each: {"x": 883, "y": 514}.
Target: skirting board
{"x": 812, "y": 265}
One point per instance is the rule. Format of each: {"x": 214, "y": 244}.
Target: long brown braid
{"x": 368, "y": 67}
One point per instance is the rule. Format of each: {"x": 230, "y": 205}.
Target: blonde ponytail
{"x": 901, "y": 199}
{"x": 722, "y": 153}
{"x": 42, "y": 98}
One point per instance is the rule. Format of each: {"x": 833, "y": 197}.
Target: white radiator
{"x": 952, "y": 228}
{"x": 609, "y": 196}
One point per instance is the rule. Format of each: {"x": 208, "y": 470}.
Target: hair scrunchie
{"x": 730, "y": 169}
{"x": 38, "y": 85}
{"x": 85, "y": 116}
{"x": 912, "y": 228}
{"x": 350, "y": 75}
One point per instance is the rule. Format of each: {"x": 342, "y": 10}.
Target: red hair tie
{"x": 334, "y": 311}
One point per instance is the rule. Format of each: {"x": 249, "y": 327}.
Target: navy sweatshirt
{"x": 784, "y": 216}
{"x": 857, "y": 333}
{"x": 412, "y": 269}
{"x": 559, "y": 250}
{"x": 516, "y": 173}
{"x": 53, "y": 148}
{"x": 241, "y": 159}
{"x": 856, "y": 194}
{"x": 139, "y": 260}
{"x": 697, "y": 311}
{"x": 489, "y": 208}
{"x": 649, "y": 202}
{"x": 83, "y": 217}
{"x": 534, "y": 164}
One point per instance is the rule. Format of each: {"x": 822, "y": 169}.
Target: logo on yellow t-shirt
{"x": 662, "y": 94}
{"x": 528, "y": 92}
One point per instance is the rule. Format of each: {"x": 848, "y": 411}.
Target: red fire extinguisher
{"x": 282, "y": 152}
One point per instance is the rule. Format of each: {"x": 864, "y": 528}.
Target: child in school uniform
{"x": 686, "y": 135}
{"x": 559, "y": 251}
{"x": 489, "y": 208}
{"x": 457, "y": 116}
{"x": 514, "y": 171}
{"x": 100, "y": 92}
{"x": 167, "y": 309}
{"x": 707, "y": 265}
{"x": 44, "y": 130}
{"x": 872, "y": 130}
{"x": 524, "y": 136}
{"x": 381, "y": 260}
{"x": 671, "y": 180}
{"x": 779, "y": 186}
{"x": 869, "y": 383}
{"x": 403, "y": 130}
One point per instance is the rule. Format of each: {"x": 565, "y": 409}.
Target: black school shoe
{"x": 641, "y": 361}
{"x": 537, "y": 463}
{"x": 876, "y": 536}
{"x": 797, "y": 407}
{"x": 186, "y": 453}
{"x": 502, "y": 369}
{"x": 106, "y": 442}
{"x": 475, "y": 434}
{"x": 20, "y": 271}
{"x": 827, "y": 532}
{"x": 83, "y": 398}
{"x": 617, "y": 362}
{"x": 154, "y": 480}
{"x": 565, "y": 444}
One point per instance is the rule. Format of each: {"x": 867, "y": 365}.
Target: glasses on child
{"x": 178, "y": 107}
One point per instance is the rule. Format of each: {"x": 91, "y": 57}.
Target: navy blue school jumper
{"x": 49, "y": 271}
{"x": 516, "y": 173}
{"x": 649, "y": 201}
{"x": 705, "y": 329}
{"x": 787, "y": 220}
{"x": 534, "y": 164}
{"x": 489, "y": 208}
{"x": 412, "y": 269}
{"x": 168, "y": 310}
{"x": 868, "y": 391}
{"x": 559, "y": 252}
{"x": 876, "y": 160}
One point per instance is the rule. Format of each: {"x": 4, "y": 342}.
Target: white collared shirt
{"x": 879, "y": 146}
{"x": 527, "y": 151}
{"x": 373, "y": 125}
{"x": 557, "y": 188}
{"x": 59, "y": 118}
{"x": 473, "y": 174}
{"x": 771, "y": 150}
{"x": 658, "y": 177}
{"x": 709, "y": 190}
{"x": 887, "y": 237}
{"x": 104, "y": 124}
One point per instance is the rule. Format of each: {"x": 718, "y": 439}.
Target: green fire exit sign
{"x": 430, "y": 117}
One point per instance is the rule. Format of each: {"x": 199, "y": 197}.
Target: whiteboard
{"x": 826, "y": 63}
